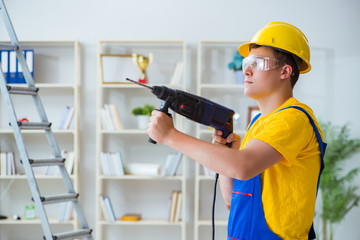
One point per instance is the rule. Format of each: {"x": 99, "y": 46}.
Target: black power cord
{"x": 214, "y": 200}
{"x": 213, "y": 207}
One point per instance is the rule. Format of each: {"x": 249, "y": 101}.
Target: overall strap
{"x": 322, "y": 145}
{"x": 253, "y": 120}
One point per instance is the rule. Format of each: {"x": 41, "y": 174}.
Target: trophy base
{"x": 143, "y": 81}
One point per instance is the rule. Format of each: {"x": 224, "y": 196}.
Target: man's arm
{"x": 244, "y": 164}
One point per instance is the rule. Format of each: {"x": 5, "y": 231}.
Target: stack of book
{"x": 110, "y": 119}
{"x": 175, "y": 206}
{"x": 7, "y": 164}
{"x": 107, "y": 209}
{"x": 112, "y": 164}
{"x": 66, "y": 118}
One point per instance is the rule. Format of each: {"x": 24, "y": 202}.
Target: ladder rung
{"x": 34, "y": 125}
{"x": 71, "y": 197}
{"x": 47, "y": 162}
{"x": 23, "y": 90}
{"x": 8, "y": 47}
{"x": 82, "y": 233}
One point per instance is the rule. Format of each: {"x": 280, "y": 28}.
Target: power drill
{"x": 198, "y": 109}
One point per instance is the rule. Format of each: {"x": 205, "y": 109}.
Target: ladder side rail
{"x": 15, "y": 42}
{"x": 8, "y": 24}
{"x": 24, "y": 156}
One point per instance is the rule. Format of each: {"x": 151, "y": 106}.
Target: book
{"x": 131, "y": 217}
{"x": 103, "y": 208}
{"x": 175, "y": 79}
{"x": 178, "y": 207}
{"x": 106, "y": 116}
{"x": 172, "y": 163}
{"x": 112, "y": 164}
{"x": 118, "y": 164}
{"x": 115, "y": 117}
{"x": 69, "y": 161}
{"x": 66, "y": 118}
{"x": 7, "y": 164}
{"x": 175, "y": 206}
{"x": 103, "y": 119}
{"x": 69, "y": 118}
{"x": 105, "y": 165}
{"x": 4, "y": 60}
{"x": 109, "y": 209}
{"x": 12, "y": 67}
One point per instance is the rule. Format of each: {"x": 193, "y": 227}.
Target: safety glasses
{"x": 261, "y": 63}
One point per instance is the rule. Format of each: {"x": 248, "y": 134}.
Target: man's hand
{"x": 161, "y": 126}
{"x": 233, "y": 138}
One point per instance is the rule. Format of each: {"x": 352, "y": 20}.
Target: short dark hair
{"x": 288, "y": 58}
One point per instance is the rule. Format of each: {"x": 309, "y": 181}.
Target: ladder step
{"x": 34, "y": 125}
{"x": 71, "y": 197}
{"x": 23, "y": 90}
{"x": 82, "y": 233}
{"x": 46, "y": 162}
{"x": 8, "y": 47}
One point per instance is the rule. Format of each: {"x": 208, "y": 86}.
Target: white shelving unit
{"x": 217, "y": 83}
{"x": 146, "y": 195}
{"x": 57, "y": 75}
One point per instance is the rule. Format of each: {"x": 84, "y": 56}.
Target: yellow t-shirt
{"x": 289, "y": 187}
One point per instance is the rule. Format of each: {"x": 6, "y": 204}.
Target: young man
{"x": 271, "y": 182}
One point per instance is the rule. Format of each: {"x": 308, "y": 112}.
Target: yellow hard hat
{"x": 282, "y": 36}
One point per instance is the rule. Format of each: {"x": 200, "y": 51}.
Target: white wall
{"x": 331, "y": 26}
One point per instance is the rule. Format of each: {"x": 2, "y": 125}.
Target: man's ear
{"x": 286, "y": 71}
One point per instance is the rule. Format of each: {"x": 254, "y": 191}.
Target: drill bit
{"x": 141, "y": 84}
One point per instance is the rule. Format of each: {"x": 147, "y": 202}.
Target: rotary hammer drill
{"x": 195, "y": 108}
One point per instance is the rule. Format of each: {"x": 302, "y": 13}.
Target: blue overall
{"x": 246, "y": 219}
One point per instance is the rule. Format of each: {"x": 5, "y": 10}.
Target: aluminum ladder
{"x": 32, "y": 91}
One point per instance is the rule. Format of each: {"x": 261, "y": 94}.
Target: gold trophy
{"x": 143, "y": 63}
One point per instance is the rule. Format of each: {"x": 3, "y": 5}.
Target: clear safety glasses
{"x": 261, "y": 63}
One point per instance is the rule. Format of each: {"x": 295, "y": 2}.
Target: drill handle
{"x": 165, "y": 109}
{"x": 228, "y": 130}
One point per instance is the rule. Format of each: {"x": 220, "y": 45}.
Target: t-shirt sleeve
{"x": 288, "y": 132}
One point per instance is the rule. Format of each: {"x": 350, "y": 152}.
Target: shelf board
{"x": 38, "y": 177}
{"x": 48, "y": 85}
{"x": 55, "y": 85}
{"x": 53, "y": 220}
{"x": 125, "y": 131}
{"x": 144, "y": 222}
{"x": 206, "y": 178}
{"x": 136, "y": 177}
{"x": 55, "y": 131}
{"x": 207, "y": 222}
